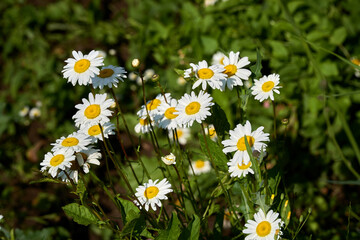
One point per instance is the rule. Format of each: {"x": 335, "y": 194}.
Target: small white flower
{"x": 152, "y": 106}
{"x": 132, "y": 76}
{"x": 200, "y": 166}
{"x": 59, "y": 160}
{"x": 218, "y": 58}
{"x": 34, "y": 113}
{"x": 169, "y": 159}
{"x": 87, "y": 157}
{"x": 183, "y": 134}
{"x": 112, "y": 52}
{"x": 205, "y": 75}
{"x": 237, "y": 169}
{"x": 109, "y": 76}
{"x": 265, "y": 87}
{"x": 93, "y": 111}
{"x": 167, "y": 114}
{"x": 101, "y": 53}
{"x": 144, "y": 125}
{"x": 82, "y": 68}
{"x": 194, "y": 108}
{"x": 265, "y": 227}
{"x": 236, "y": 143}
{"x": 150, "y": 194}
{"x": 23, "y": 112}
{"x": 94, "y": 131}
{"x": 148, "y": 74}
{"x": 210, "y": 130}
{"x": 75, "y": 142}
{"x": 181, "y": 81}
{"x": 234, "y": 70}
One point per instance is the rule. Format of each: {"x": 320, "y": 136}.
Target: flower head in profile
{"x": 234, "y": 69}
{"x": 265, "y": 87}
{"x": 207, "y": 75}
{"x": 152, "y": 106}
{"x": 200, "y": 166}
{"x": 237, "y": 144}
{"x": 93, "y": 111}
{"x": 75, "y": 142}
{"x": 194, "y": 108}
{"x": 94, "y": 131}
{"x": 58, "y": 160}
{"x": 169, "y": 159}
{"x": 144, "y": 124}
{"x": 238, "y": 169}
{"x": 167, "y": 114}
{"x": 82, "y": 68}
{"x": 182, "y": 134}
{"x": 150, "y": 194}
{"x": 109, "y": 76}
{"x": 265, "y": 227}
{"x": 218, "y": 58}
{"x": 210, "y": 131}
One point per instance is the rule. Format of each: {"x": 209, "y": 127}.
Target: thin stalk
{"x": 274, "y": 110}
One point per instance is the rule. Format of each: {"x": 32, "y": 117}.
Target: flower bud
{"x": 135, "y": 63}
{"x": 285, "y": 121}
{"x": 155, "y": 77}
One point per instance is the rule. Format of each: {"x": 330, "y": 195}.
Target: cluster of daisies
{"x": 73, "y": 154}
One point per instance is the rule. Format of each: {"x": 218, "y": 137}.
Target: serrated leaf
{"x": 80, "y": 214}
{"x": 256, "y": 69}
{"x": 220, "y": 159}
{"x": 50, "y": 180}
{"x": 128, "y": 209}
{"x": 193, "y": 229}
{"x": 219, "y": 120}
{"x": 173, "y": 230}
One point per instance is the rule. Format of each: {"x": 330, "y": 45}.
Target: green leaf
{"x": 219, "y": 120}
{"x": 353, "y": 182}
{"x": 179, "y": 72}
{"x": 173, "y": 230}
{"x": 256, "y": 69}
{"x": 50, "y": 180}
{"x": 193, "y": 229}
{"x": 210, "y": 44}
{"x": 128, "y": 209}
{"x": 80, "y": 214}
{"x": 338, "y": 36}
{"x": 220, "y": 159}
{"x": 135, "y": 227}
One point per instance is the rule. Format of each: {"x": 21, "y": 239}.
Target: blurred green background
{"x": 309, "y": 43}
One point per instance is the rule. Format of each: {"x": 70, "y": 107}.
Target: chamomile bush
{"x": 236, "y": 120}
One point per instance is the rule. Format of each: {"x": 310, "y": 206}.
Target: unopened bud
{"x": 135, "y": 63}
{"x": 155, "y": 77}
{"x": 301, "y": 218}
{"x": 285, "y": 121}
{"x": 282, "y": 196}
{"x": 310, "y": 210}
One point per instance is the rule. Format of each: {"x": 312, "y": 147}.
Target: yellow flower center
{"x": 94, "y": 130}
{"x": 205, "y": 73}
{"x": 92, "y": 111}
{"x": 212, "y": 132}
{"x": 230, "y": 70}
{"x": 263, "y": 229}
{"x": 241, "y": 143}
{"x": 56, "y": 160}
{"x": 192, "y": 108}
{"x": 179, "y": 133}
{"x": 153, "y": 104}
{"x": 105, "y": 73}
{"x": 82, "y": 65}
{"x": 151, "y": 192}
{"x": 199, "y": 164}
{"x": 169, "y": 113}
{"x": 70, "y": 141}
{"x": 267, "y": 86}
{"x": 356, "y": 61}
{"x": 222, "y": 61}
{"x": 144, "y": 122}
{"x": 244, "y": 166}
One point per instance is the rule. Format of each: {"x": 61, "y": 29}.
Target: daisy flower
{"x": 152, "y": 105}
{"x": 167, "y": 114}
{"x": 194, "y": 108}
{"x": 356, "y": 61}
{"x": 236, "y": 143}
{"x": 265, "y": 227}
{"x": 200, "y": 167}
{"x": 59, "y": 160}
{"x": 64, "y": 175}
{"x": 82, "y": 68}
{"x": 148, "y": 74}
{"x": 75, "y": 142}
{"x": 234, "y": 70}
{"x": 109, "y": 76}
{"x": 144, "y": 125}
{"x": 87, "y": 157}
{"x": 265, "y": 87}
{"x": 34, "y": 113}
{"x": 237, "y": 169}
{"x": 218, "y": 58}
{"x": 94, "y": 131}
{"x": 169, "y": 159}
{"x": 210, "y": 130}
{"x": 151, "y": 193}
{"x": 182, "y": 133}
{"x": 93, "y": 111}
{"x": 23, "y": 112}
{"x": 208, "y": 75}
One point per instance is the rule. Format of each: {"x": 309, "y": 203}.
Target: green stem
{"x": 274, "y": 110}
